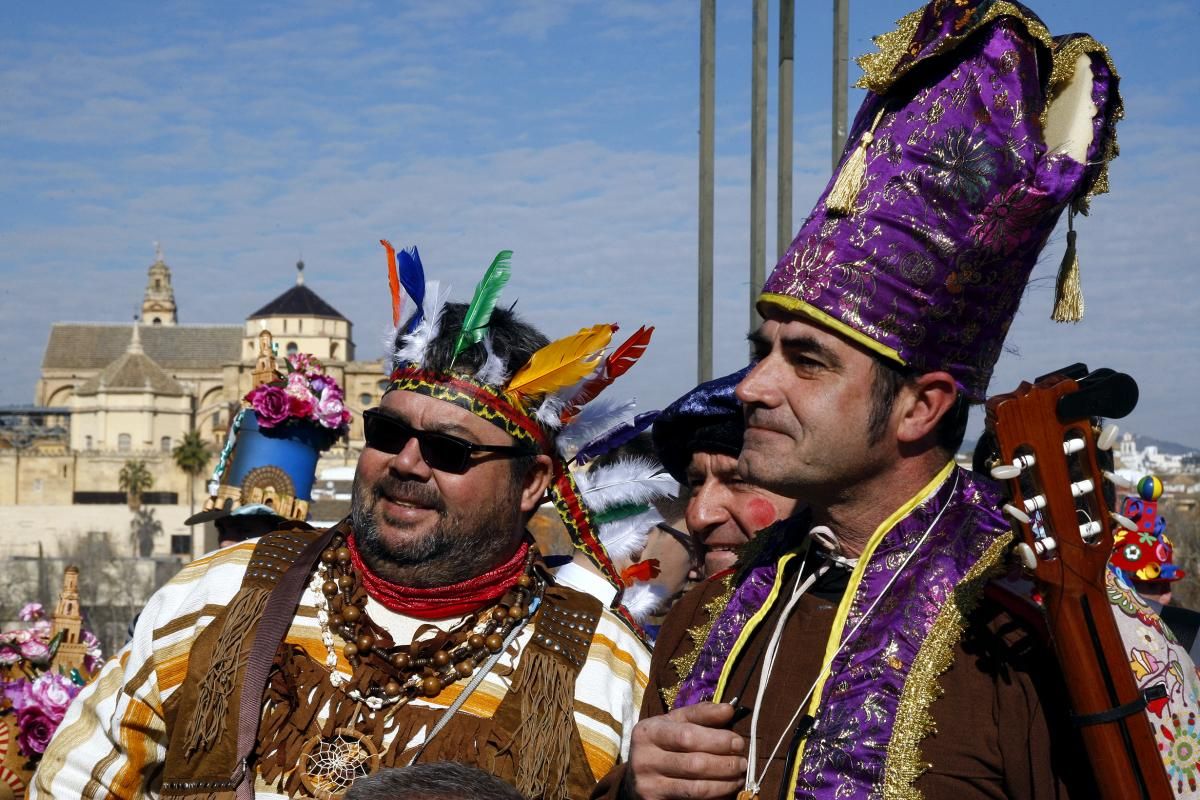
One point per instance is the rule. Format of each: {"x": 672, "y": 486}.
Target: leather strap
{"x": 1155, "y": 692}
{"x": 276, "y": 619}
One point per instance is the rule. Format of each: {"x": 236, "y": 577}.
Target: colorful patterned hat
{"x": 978, "y": 130}
{"x": 706, "y": 419}
{"x": 1145, "y": 554}
{"x": 549, "y": 404}
{"x": 270, "y": 456}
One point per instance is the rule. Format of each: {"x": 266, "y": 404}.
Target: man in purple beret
{"x": 862, "y": 660}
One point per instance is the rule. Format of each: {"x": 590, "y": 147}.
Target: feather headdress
{"x": 547, "y": 403}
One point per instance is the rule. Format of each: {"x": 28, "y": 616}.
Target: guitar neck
{"x": 1123, "y": 752}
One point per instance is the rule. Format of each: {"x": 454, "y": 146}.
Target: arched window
{"x": 292, "y": 348}
{"x": 332, "y": 351}
{"x": 124, "y": 443}
{"x": 87, "y": 443}
{"x": 156, "y": 321}
{"x": 165, "y": 444}
{"x": 365, "y": 399}
{"x": 384, "y": 384}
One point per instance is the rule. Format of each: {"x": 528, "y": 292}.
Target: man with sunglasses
{"x": 422, "y": 628}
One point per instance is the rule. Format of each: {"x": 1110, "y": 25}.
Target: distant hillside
{"x": 1164, "y": 447}
{"x": 1167, "y": 448}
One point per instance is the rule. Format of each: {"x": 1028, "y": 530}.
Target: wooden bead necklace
{"x": 420, "y": 668}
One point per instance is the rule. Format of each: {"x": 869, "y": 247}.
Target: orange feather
{"x": 393, "y": 280}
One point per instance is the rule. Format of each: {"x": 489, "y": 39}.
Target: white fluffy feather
{"x": 549, "y": 413}
{"x": 643, "y": 600}
{"x": 389, "y": 347}
{"x": 625, "y": 538}
{"x": 598, "y": 416}
{"x": 492, "y": 372}
{"x": 630, "y": 480}
{"x": 416, "y": 343}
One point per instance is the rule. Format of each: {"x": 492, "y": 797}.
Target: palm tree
{"x": 135, "y": 479}
{"x": 192, "y": 456}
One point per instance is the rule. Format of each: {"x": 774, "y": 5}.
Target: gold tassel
{"x": 1068, "y": 293}
{"x": 843, "y": 197}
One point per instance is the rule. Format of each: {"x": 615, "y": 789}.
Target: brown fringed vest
{"x": 532, "y": 740}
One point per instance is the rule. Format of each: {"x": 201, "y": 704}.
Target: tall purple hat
{"x": 979, "y": 128}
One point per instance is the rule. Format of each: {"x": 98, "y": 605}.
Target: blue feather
{"x": 612, "y": 439}
{"x": 412, "y": 278}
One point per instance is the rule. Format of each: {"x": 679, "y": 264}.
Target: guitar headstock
{"x": 1047, "y": 453}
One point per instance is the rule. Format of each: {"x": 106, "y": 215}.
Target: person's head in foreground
{"x": 440, "y": 780}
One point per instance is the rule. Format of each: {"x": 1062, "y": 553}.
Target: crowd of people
{"x": 843, "y": 621}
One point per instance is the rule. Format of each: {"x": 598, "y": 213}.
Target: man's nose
{"x": 409, "y": 462}
{"x": 704, "y": 511}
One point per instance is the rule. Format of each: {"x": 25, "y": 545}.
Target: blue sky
{"x": 243, "y": 136}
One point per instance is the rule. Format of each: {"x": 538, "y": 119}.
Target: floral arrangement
{"x": 305, "y": 394}
{"x": 37, "y": 696}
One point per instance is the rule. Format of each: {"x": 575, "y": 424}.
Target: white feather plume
{"x": 643, "y": 600}
{"x": 389, "y": 346}
{"x": 492, "y": 372}
{"x": 598, "y": 416}
{"x": 630, "y": 480}
{"x": 626, "y": 538}
{"x": 417, "y": 342}
{"x": 549, "y": 413}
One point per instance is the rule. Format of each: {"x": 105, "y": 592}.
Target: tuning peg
{"x": 1118, "y": 481}
{"x": 1004, "y": 472}
{"x": 1035, "y": 503}
{"x": 1044, "y": 546}
{"x": 1083, "y": 487}
{"x": 1072, "y": 446}
{"x": 1107, "y": 437}
{"x": 1028, "y": 558}
{"x": 1123, "y": 521}
{"x": 1016, "y": 513}
{"x": 1089, "y": 530}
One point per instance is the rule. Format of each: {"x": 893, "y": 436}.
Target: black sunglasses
{"x": 440, "y": 451}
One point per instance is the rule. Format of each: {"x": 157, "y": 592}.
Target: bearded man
{"x": 422, "y": 628}
{"x": 861, "y": 658}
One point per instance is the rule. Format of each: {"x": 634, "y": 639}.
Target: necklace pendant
{"x": 747, "y": 794}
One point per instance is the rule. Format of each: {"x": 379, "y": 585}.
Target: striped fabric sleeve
{"x": 112, "y": 741}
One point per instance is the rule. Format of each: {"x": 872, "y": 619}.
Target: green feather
{"x": 479, "y": 313}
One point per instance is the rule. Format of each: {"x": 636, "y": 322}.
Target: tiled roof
{"x": 133, "y": 371}
{"x": 81, "y": 345}
{"x": 298, "y": 301}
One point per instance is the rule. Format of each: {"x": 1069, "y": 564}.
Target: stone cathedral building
{"x": 111, "y": 392}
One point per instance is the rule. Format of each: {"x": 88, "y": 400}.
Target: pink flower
{"x": 9, "y": 655}
{"x": 41, "y": 628}
{"x": 270, "y": 404}
{"x": 35, "y": 727}
{"x": 36, "y": 651}
{"x": 300, "y": 406}
{"x": 31, "y": 611}
{"x": 330, "y": 411}
{"x": 53, "y": 692}
{"x": 95, "y": 653}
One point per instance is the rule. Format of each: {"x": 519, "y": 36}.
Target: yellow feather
{"x": 562, "y": 363}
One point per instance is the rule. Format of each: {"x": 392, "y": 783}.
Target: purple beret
{"x": 977, "y": 131}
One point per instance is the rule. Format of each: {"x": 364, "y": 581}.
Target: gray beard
{"x": 457, "y": 549}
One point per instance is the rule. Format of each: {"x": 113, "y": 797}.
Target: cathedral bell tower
{"x": 158, "y": 306}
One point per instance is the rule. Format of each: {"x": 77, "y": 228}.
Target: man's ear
{"x": 927, "y": 398}
{"x": 537, "y": 480}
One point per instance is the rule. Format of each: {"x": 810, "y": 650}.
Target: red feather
{"x": 641, "y": 571}
{"x": 616, "y": 365}
{"x": 393, "y": 281}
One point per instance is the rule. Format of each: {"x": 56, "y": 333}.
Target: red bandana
{"x": 441, "y": 602}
